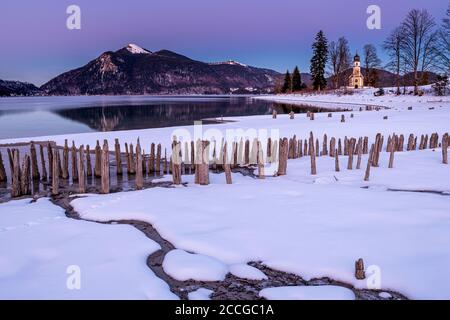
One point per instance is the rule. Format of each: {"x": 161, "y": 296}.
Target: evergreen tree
{"x": 319, "y": 61}
{"x": 296, "y": 80}
{"x": 287, "y": 83}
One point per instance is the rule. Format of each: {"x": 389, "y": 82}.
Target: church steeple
{"x": 356, "y": 80}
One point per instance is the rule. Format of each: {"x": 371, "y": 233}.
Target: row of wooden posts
{"x": 243, "y": 153}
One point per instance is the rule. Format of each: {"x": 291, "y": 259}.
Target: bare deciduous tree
{"x": 416, "y": 47}
{"x": 371, "y": 61}
{"x": 392, "y": 45}
{"x": 444, "y": 44}
{"x": 339, "y": 60}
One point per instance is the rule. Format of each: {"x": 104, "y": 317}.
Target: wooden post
{"x": 351, "y": 147}
{"x": 260, "y": 160}
{"x": 339, "y": 149}
{"x": 247, "y": 152}
{"x": 176, "y": 163}
{"x": 132, "y": 161}
{"x": 369, "y": 163}
{"x": 158, "y": 158}
{"x": 226, "y": 164}
{"x": 401, "y": 140}
{"x": 59, "y": 163}
{"x": 151, "y": 159}
{"x": 105, "y": 167}
{"x": 291, "y": 115}
{"x": 274, "y": 114}
{"x": 300, "y": 148}
{"x": 235, "y": 154}
{"x": 192, "y": 155}
{"x": 65, "y": 168}
{"x": 345, "y": 146}
{"x": 336, "y": 161}
{"x": 74, "y": 162}
{"x": 365, "y": 145}
{"x": 98, "y": 160}
{"x": 55, "y": 173}
{"x": 44, "y": 169}
{"x": 305, "y": 148}
{"x": 313, "y": 154}
{"x": 10, "y": 157}
{"x": 254, "y": 152}
{"x": 269, "y": 150}
{"x": 317, "y": 147}
{"x": 139, "y": 171}
{"x": 203, "y": 167}
{"x": 34, "y": 163}
{"x": 15, "y": 172}
{"x": 342, "y": 118}
{"x": 144, "y": 163}
{"x": 118, "y": 155}
{"x": 391, "y": 158}
{"x": 88, "y": 162}
{"x": 325, "y": 145}
{"x": 444, "y": 145}
{"x": 3, "y": 176}
{"x": 283, "y": 156}
{"x": 311, "y": 116}
{"x": 410, "y": 145}
{"x": 50, "y": 160}
{"x": 165, "y": 164}
{"x": 25, "y": 181}
{"x": 358, "y": 162}
{"x": 81, "y": 173}
{"x": 359, "y": 270}
{"x": 333, "y": 150}
{"x": 187, "y": 159}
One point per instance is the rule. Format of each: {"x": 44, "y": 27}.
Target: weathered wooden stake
{"x": 74, "y": 162}
{"x": 359, "y": 269}
{"x": 81, "y": 173}
{"x": 118, "y": 155}
{"x": 226, "y": 164}
{"x": 151, "y": 159}
{"x": 34, "y": 163}
{"x": 50, "y": 159}
{"x": 139, "y": 169}
{"x": 15, "y": 172}
{"x": 176, "y": 163}
{"x": 88, "y": 162}
{"x": 105, "y": 167}
{"x": 43, "y": 167}
{"x": 325, "y": 145}
{"x": 274, "y": 114}
{"x": 132, "y": 160}
{"x": 358, "y": 162}
{"x": 260, "y": 160}
{"x": 444, "y": 145}
{"x": 65, "y": 168}
{"x": 3, "y": 176}
{"x": 391, "y": 158}
{"x": 55, "y": 173}
{"x": 283, "y": 156}
{"x": 351, "y": 152}
{"x": 25, "y": 181}
{"x": 342, "y": 118}
{"x": 313, "y": 154}
{"x": 369, "y": 163}
{"x": 336, "y": 161}
{"x": 158, "y": 158}
{"x": 98, "y": 160}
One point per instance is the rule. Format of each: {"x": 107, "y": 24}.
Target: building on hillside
{"x": 356, "y": 80}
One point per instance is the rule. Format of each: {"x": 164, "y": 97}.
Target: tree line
{"x": 418, "y": 45}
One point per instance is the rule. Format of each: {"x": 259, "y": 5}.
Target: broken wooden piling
{"x": 105, "y": 167}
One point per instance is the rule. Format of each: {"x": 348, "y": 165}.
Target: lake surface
{"x": 38, "y": 116}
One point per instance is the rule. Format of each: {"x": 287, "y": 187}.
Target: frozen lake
{"x": 38, "y": 116}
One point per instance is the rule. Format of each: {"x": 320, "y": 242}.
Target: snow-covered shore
{"x": 313, "y": 226}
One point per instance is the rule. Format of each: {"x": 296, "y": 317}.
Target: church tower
{"x": 356, "y": 80}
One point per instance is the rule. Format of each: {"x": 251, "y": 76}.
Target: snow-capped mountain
{"x": 135, "y": 70}
{"x": 135, "y": 49}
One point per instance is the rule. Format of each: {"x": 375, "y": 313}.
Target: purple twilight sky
{"x": 36, "y": 45}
